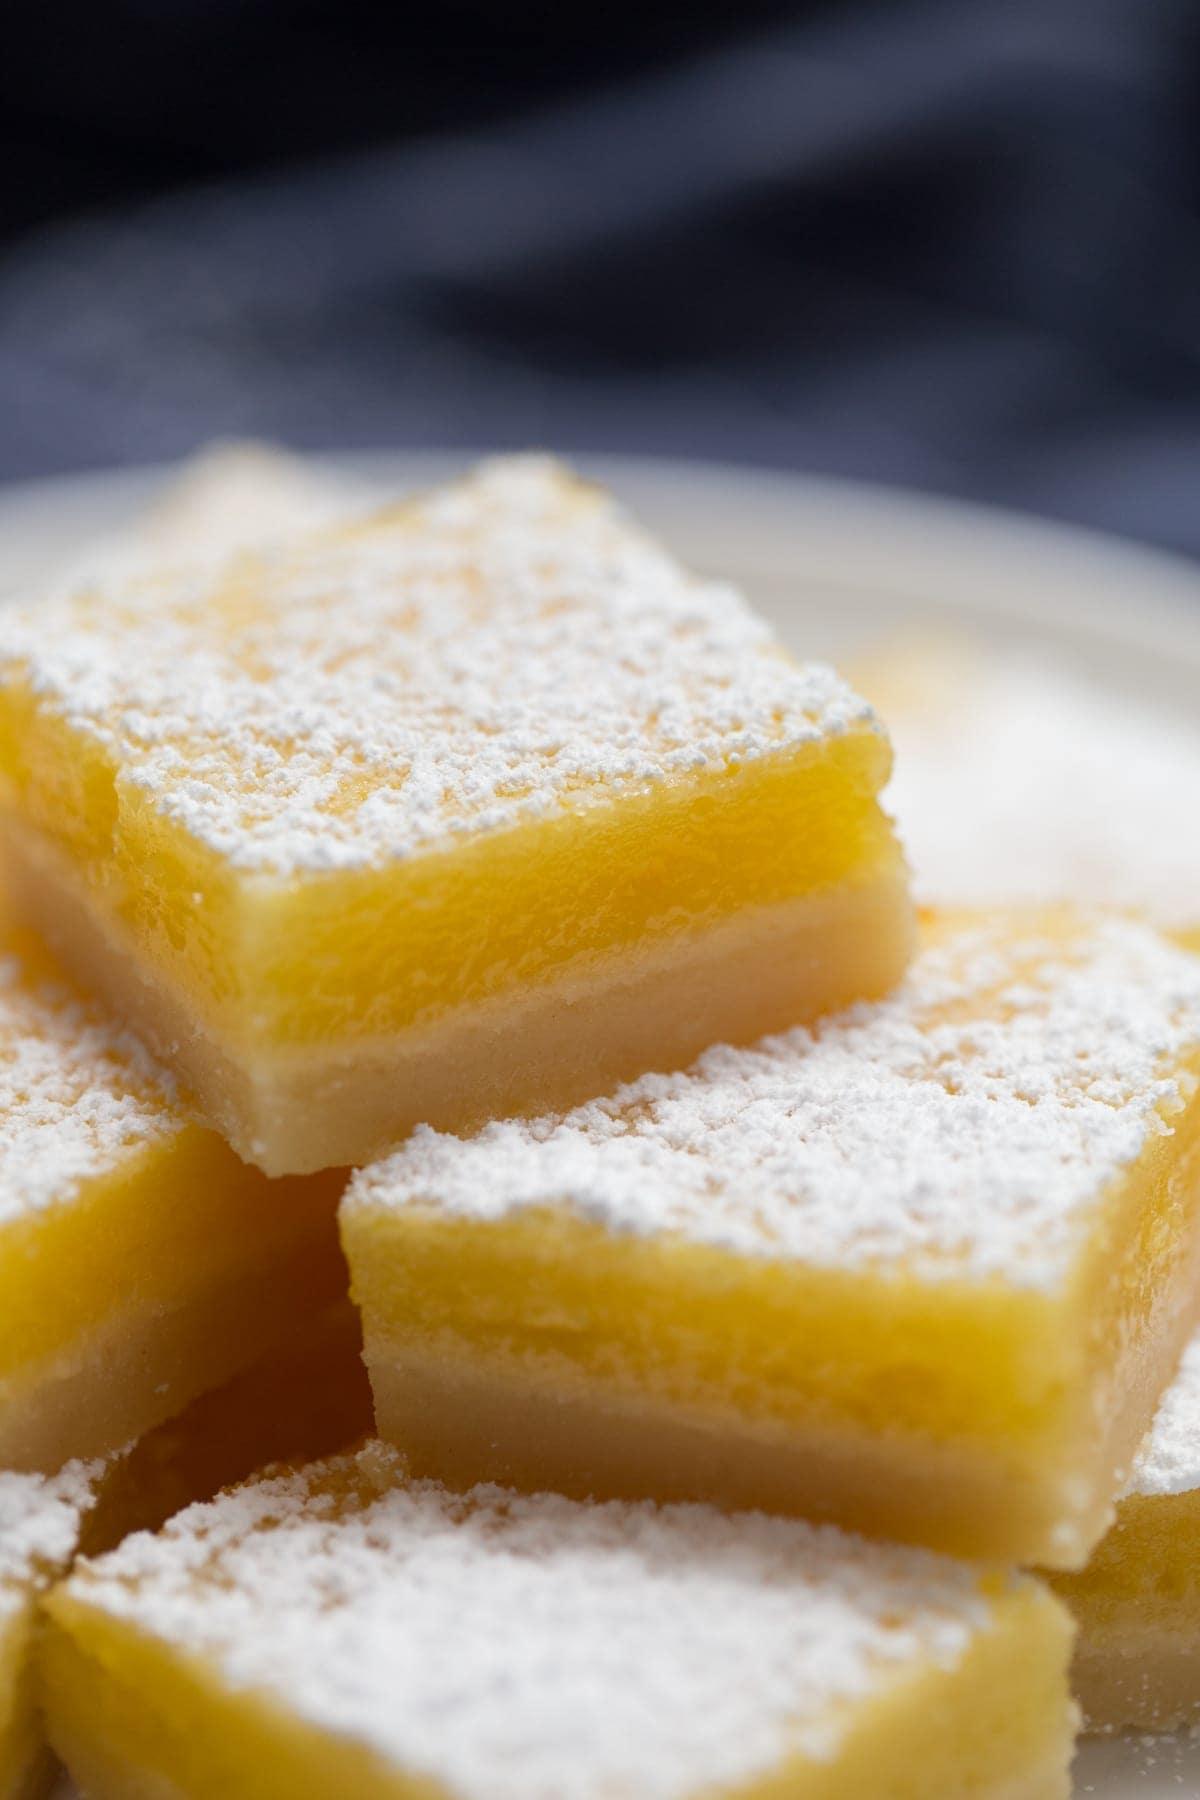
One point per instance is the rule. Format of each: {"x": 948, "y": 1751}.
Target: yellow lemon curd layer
{"x": 153, "y": 1690}
{"x": 430, "y": 781}
{"x": 270, "y": 963}
{"x": 153, "y": 1286}
{"x": 963, "y": 1355}
{"x": 141, "y": 1263}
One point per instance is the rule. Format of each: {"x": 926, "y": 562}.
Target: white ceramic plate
{"x": 834, "y": 565}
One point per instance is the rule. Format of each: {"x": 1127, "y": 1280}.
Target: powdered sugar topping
{"x": 1016, "y": 780}
{"x": 532, "y": 1648}
{"x": 78, "y": 1095}
{"x": 1169, "y": 1459}
{"x": 502, "y": 650}
{"x": 228, "y": 497}
{"x": 40, "y": 1518}
{"x": 965, "y": 1127}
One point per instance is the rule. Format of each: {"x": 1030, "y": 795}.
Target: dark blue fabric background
{"x": 955, "y": 246}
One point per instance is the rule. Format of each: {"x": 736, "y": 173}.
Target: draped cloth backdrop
{"x": 953, "y": 245}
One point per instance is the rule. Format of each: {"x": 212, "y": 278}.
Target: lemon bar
{"x": 923, "y": 1269}
{"x": 473, "y": 807}
{"x": 346, "y": 1631}
{"x": 1019, "y": 779}
{"x": 229, "y": 497}
{"x": 140, "y": 1262}
{"x": 1137, "y": 1662}
{"x": 40, "y": 1522}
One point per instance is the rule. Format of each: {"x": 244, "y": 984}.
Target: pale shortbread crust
{"x": 118, "y": 1382}
{"x": 304, "y": 1110}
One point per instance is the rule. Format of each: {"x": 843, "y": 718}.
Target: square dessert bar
{"x": 923, "y": 1269}
{"x": 477, "y": 806}
{"x": 41, "y": 1519}
{"x": 1137, "y": 1603}
{"x": 345, "y": 1631}
{"x": 140, "y": 1262}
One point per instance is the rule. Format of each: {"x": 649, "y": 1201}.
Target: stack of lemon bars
{"x": 527, "y": 1269}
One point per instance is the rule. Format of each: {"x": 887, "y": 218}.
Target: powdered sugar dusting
{"x": 1016, "y": 780}
{"x": 504, "y": 649}
{"x": 40, "y": 1518}
{"x": 533, "y": 1647}
{"x": 78, "y": 1095}
{"x": 1169, "y": 1459}
{"x": 228, "y": 497}
{"x": 967, "y": 1126}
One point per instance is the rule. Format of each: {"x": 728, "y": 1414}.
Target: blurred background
{"x": 954, "y": 246}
